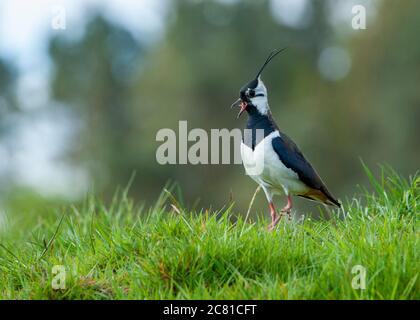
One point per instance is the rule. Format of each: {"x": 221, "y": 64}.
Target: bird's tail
{"x": 331, "y": 200}
{"x": 322, "y": 195}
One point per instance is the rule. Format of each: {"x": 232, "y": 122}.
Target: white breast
{"x": 264, "y": 166}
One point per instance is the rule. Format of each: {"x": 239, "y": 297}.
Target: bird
{"x": 272, "y": 158}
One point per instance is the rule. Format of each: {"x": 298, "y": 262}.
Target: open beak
{"x": 241, "y": 104}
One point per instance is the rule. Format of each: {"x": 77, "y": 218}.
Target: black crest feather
{"x": 269, "y": 58}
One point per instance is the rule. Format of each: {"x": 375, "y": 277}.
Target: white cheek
{"x": 261, "y": 104}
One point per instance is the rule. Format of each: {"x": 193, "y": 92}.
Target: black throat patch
{"x": 258, "y": 127}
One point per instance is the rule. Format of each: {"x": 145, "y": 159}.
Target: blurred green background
{"x": 80, "y": 107}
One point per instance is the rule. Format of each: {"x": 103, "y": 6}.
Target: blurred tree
{"x": 8, "y": 101}
{"x": 8, "y": 108}
{"x": 93, "y": 75}
{"x": 373, "y": 114}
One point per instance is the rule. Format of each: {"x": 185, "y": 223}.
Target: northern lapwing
{"x": 284, "y": 169}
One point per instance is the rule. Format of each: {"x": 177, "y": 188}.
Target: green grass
{"x": 121, "y": 251}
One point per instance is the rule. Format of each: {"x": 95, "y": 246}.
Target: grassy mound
{"x": 125, "y": 252}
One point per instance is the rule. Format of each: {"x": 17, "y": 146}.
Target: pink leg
{"x": 274, "y": 217}
{"x": 288, "y": 208}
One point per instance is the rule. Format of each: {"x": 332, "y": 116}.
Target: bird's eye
{"x": 251, "y": 93}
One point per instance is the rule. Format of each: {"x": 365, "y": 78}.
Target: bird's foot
{"x": 288, "y": 212}
{"x": 274, "y": 223}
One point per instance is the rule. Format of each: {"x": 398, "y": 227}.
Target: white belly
{"x": 264, "y": 166}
